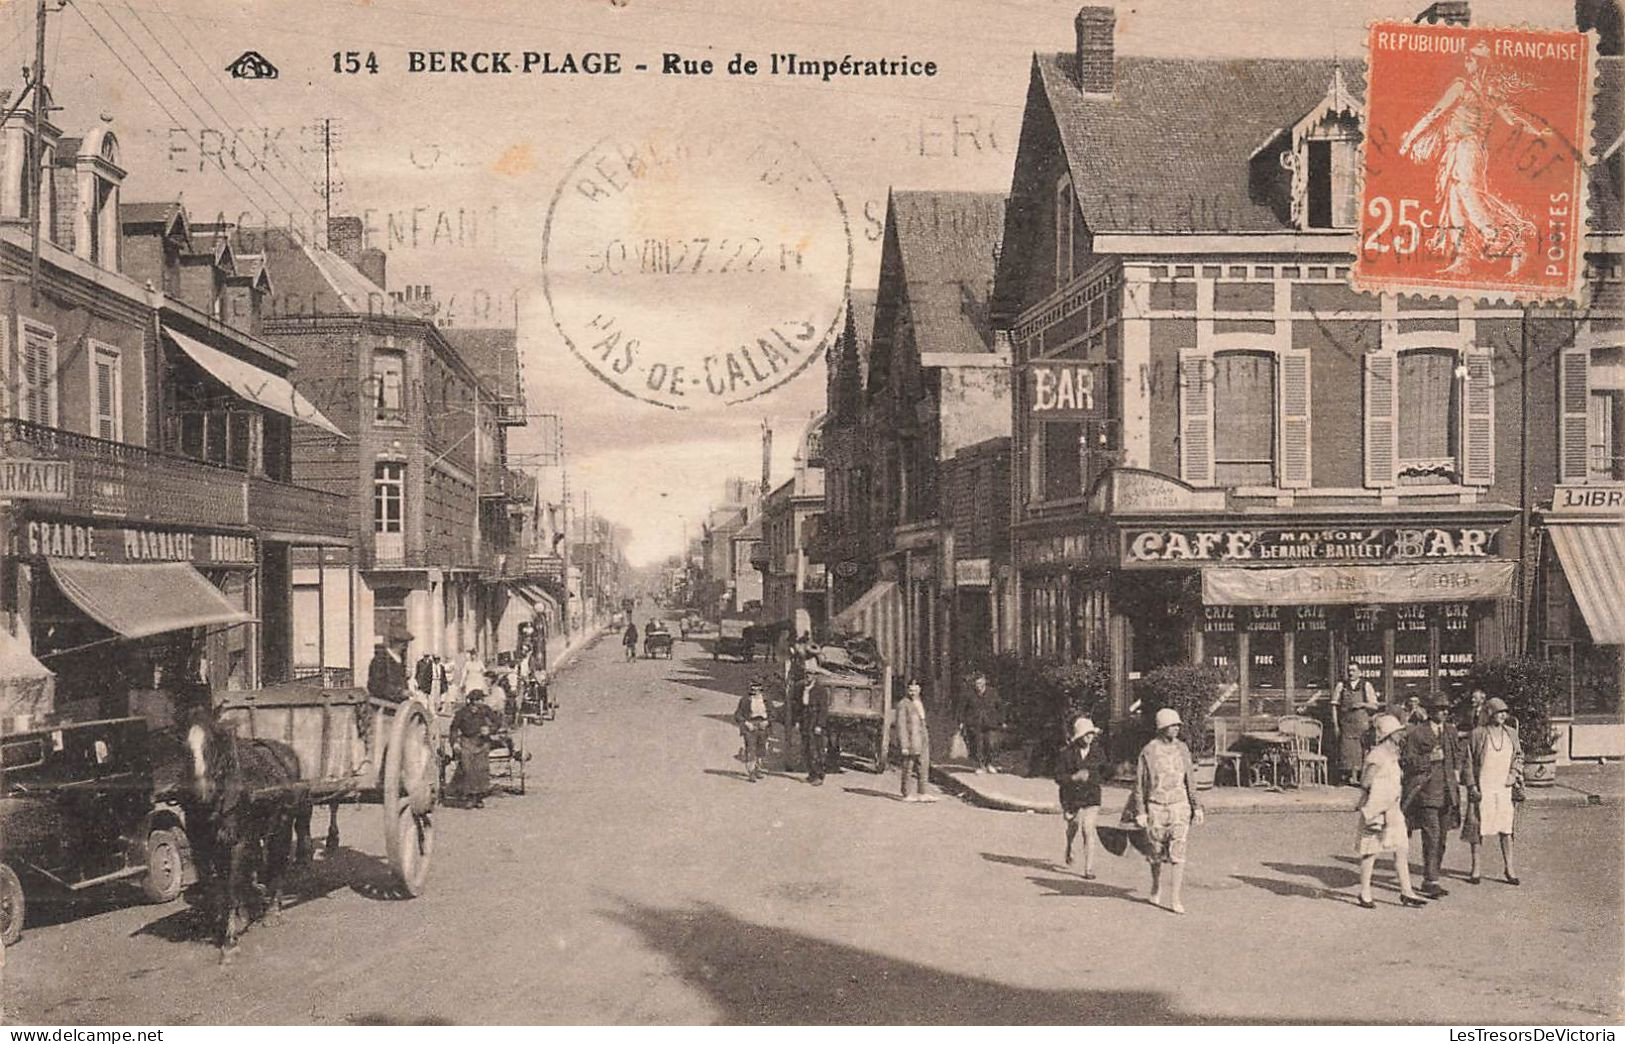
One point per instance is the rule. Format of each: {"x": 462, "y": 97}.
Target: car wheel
{"x": 13, "y": 906}
{"x": 166, "y": 867}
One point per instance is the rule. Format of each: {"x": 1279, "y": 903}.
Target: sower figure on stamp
{"x": 1432, "y": 802}
{"x": 1474, "y": 223}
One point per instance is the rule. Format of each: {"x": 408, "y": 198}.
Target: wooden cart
{"x": 858, "y": 690}
{"x": 352, "y": 746}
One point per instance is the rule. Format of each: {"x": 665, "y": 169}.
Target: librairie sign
{"x": 1060, "y": 391}
{"x": 1589, "y": 500}
{"x": 1367, "y": 544}
{"x": 22, "y": 479}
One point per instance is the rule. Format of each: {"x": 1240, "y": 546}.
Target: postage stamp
{"x": 688, "y": 271}
{"x": 1475, "y": 158}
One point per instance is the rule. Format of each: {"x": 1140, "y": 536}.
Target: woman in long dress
{"x": 1381, "y": 825}
{"x": 1494, "y": 768}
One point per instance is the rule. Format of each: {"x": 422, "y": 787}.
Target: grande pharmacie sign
{"x": 1360, "y": 544}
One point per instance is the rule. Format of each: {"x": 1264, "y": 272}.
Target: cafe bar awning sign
{"x": 1358, "y": 584}
{"x": 22, "y": 479}
{"x": 1061, "y": 391}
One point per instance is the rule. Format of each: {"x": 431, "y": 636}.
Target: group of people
{"x": 1412, "y": 779}
{"x": 629, "y": 637}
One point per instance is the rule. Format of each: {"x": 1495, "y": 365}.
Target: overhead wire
{"x": 294, "y": 200}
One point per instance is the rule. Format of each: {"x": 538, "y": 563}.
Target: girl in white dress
{"x": 1494, "y": 768}
{"x": 1381, "y": 822}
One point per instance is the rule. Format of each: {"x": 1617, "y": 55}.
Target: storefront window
{"x": 1365, "y": 642}
{"x": 1427, "y": 416}
{"x": 1412, "y": 675}
{"x": 1266, "y": 655}
{"x": 1219, "y": 644}
{"x": 1312, "y": 650}
{"x": 1455, "y": 623}
{"x": 1063, "y": 460}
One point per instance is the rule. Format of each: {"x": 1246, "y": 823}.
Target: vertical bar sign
{"x": 1060, "y": 390}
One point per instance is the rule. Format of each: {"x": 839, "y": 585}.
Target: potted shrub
{"x": 1067, "y": 691}
{"x": 1530, "y": 686}
{"x": 1190, "y": 689}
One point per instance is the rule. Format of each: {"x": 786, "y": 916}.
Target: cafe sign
{"x": 47, "y": 539}
{"x": 35, "y": 479}
{"x": 1183, "y": 547}
{"x": 1060, "y": 391}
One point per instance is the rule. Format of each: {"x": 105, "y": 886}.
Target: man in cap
{"x": 1432, "y": 767}
{"x": 1165, "y": 806}
{"x": 752, "y": 720}
{"x": 386, "y": 674}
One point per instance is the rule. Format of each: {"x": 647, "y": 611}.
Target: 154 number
{"x": 353, "y": 62}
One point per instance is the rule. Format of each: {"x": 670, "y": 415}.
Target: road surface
{"x": 641, "y": 880}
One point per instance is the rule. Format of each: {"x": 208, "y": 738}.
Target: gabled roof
{"x": 862, "y": 303}
{"x": 1168, "y": 150}
{"x": 164, "y": 218}
{"x": 946, "y": 244}
{"x": 752, "y": 530}
{"x": 354, "y": 292}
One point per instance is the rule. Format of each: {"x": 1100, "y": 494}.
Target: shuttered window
{"x": 36, "y": 374}
{"x": 1574, "y": 394}
{"x": 1478, "y": 421}
{"x": 1244, "y": 404}
{"x": 107, "y": 388}
{"x": 1605, "y": 416}
{"x": 1196, "y": 418}
{"x": 1381, "y": 465}
{"x": 1295, "y": 427}
{"x": 1063, "y": 459}
{"x": 1428, "y": 419}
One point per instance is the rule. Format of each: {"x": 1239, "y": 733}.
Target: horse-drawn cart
{"x": 351, "y": 745}
{"x": 854, "y": 685}
{"x": 657, "y": 643}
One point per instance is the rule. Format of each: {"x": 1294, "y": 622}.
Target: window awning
{"x": 139, "y": 599}
{"x": 878, "y": 613}
{"x": 1593, "y": 558}
{"x": 538, "y": 598}
{"x": 252, "y": 383}
{"x": 1358, "y": 584}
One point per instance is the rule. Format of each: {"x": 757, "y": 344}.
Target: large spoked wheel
{"x": 166, "y": 866}
{"x": 410, "y": 790}
{"x": 12, "y": 906}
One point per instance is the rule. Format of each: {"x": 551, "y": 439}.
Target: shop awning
{"x": 1593, "y": 558}
{"x": 1358, "y": 584}
{"x": 138, "y": 599}
{"x": 26, "y": 685}
{"x": 252, "y": 383}
{"x": 538, "y": 598}
{"x": 878, "y": 613}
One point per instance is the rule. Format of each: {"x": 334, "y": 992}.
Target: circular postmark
{"x": 690, "y": 269}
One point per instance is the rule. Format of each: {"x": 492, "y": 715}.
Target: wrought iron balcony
{"x": 283, "y": 508}
{"x": 120, "y": 480}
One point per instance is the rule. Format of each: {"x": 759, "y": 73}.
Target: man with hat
{"x": 1432, "y": 768}
{"x": 386, "y": 674}
{"x": 1165, "y": 806}
{"x": 1079, "y": 772}
{"x": 752, "y": 720}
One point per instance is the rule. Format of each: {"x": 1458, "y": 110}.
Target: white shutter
{"x": 1478, "y": 422}
{"x": 1574, "y": 396}
{"x": 38, "y": 376}
{"x": 1295, "y": 464}
{"x": 105, "y": 368}
{"x": 1196, "y": 418}
{"x": 1381, "y": 409}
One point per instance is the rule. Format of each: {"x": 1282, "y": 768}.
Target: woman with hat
{"x": 1165, "y": 805}
{"x": 1079, "y": 772}
{"x": 1353, "y": 700}
{"x": 1494, "y": 785}
{"x": 1381, "y": 820}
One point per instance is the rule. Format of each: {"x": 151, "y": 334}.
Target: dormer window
{"x": 97, "y": 177}
{"x": 1332, "y": 163}
{"x": 1321, "y": 155}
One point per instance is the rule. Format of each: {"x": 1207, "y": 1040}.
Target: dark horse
{"x": 244, "y": 808}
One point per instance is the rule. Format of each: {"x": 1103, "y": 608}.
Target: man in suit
{"x": 1432, "y": 766}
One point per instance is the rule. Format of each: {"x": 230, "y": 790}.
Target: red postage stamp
{"x": 1477, "y": 143}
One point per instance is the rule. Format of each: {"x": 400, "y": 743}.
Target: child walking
{"x": 751, "y": 717}
{"x": 914, "y": 741}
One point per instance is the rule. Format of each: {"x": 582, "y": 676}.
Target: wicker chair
{"x": 1308, "y": 763}
{"x": 1223, "y": 754}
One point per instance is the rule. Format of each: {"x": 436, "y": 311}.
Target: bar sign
{"x": 1061, "y": 391}
{"x": 35, "y": 479}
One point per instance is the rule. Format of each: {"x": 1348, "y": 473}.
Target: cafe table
{"x": 1269, "y": 746}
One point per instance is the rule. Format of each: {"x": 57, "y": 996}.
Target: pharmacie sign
{"x": 1061, "y": 391}
{"x": 1365, "y": 544}
{"x": 50, "y": 539}
{"x": 35, "y": 479}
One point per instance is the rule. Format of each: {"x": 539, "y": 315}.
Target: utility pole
{"x": 36, "y": 152}
{"x": 327, "y": 174}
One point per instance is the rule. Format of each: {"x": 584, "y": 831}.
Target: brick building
{"x": 1221, "y": 453}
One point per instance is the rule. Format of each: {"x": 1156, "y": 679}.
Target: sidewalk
{"x": 1577, "y": 785}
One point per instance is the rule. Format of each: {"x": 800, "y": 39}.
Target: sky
{"x": 455, "y": 175}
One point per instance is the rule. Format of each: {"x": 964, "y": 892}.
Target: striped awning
{"x": 878, "y": 614}
{"x": 1593, "y": 557}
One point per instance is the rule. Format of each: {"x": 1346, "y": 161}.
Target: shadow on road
{"x": 1077, "y": 887}
{"x": 758, "y": 974}
{"x": 871, "y": 792}
{"x": 1286, "y": 889}
{"x": 1025, "y": 862}
{"x": 1330, "y": 876}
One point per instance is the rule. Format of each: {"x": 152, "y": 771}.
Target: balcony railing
{"x": 281, "y": 507}
{"x": 118, "y": 480}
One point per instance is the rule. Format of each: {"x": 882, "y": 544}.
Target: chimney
{"x": 1446, "y": 12}
{"x": 372, "y": 264}
{"x": 344, "y": 236}
{"x": 767, "y": 459}
{"x": 1096, "y": 57}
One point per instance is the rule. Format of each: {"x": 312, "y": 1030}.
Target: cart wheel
{"x": 13, "y": 906}
{"x": 409, "y": 792}
{"x": 166, "y": 866}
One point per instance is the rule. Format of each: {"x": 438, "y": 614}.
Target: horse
{"x": 243, "y": 813}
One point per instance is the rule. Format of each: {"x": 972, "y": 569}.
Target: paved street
{"x": 641, "y": 880}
